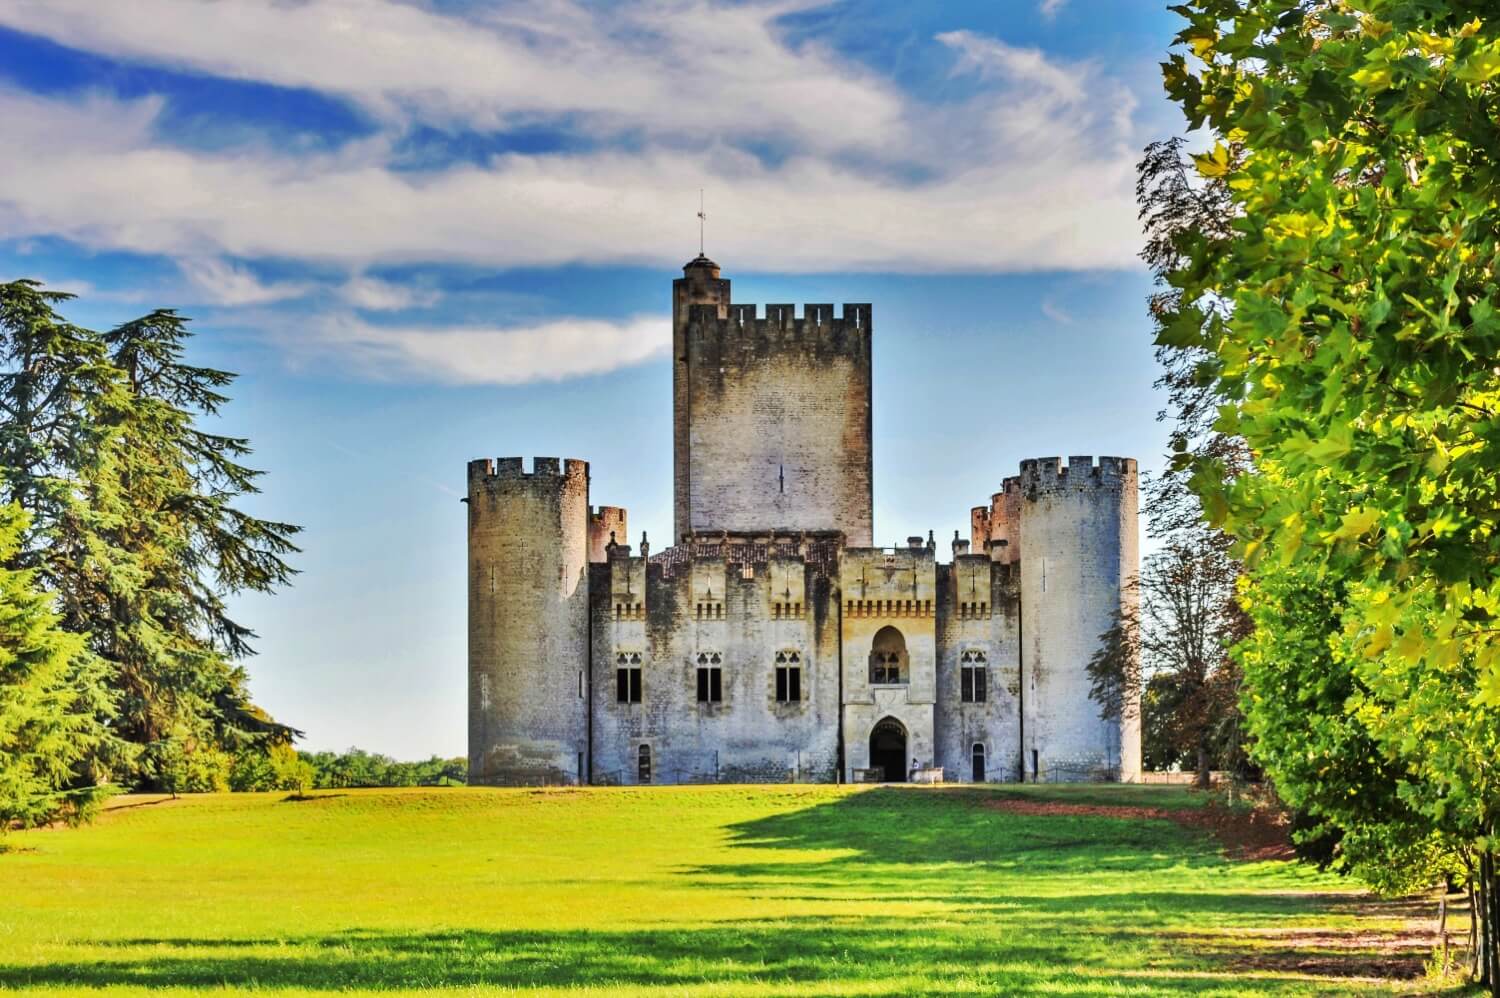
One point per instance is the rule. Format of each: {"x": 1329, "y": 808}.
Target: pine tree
{"x": 49, "y": 721}
{"x": 135, "y": 529}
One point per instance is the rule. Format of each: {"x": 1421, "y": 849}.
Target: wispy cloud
{"x": 657, "y": 66}
{"x": 220, "y": 282}
{"x": 812, "y": 161}
{"x": 1051, "y": 8}
{"x": 1056, "y": 313}
{"x": 1029, "y": 191}
{"x": 548, "y": 351}
{"x": 376, "y": 295}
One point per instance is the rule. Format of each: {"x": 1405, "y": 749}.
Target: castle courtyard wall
{"x": 978, "y": 611}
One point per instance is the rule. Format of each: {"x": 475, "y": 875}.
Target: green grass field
{"x": 675, "y": 891}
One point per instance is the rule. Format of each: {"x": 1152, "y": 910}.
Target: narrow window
{"x": 580, "y": 684}
{"x": 643, "y": 771}
{"x": 978, "y": 760}
{"x": 627, "y": 678}
{"x": 788, "y": 677}
{"x": 710, "y": 678}
{"x": 973, "y": 677}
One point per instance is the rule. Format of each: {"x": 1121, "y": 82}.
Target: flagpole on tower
{"x": 701, "y": 218}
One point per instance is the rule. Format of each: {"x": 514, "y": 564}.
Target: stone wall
{"x": 700, "y": 284}
{"x": 605, "y": 524}
{"x": 528, "y": 621}
{"x": 894, "y": 588}
{"x": 743, "y": 615}
{"x": 978, "y": 613}
{"x": 1078, "y": 524}
{"x": 777, "y": 420}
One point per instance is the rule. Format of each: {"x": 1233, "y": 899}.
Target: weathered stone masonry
{"x": 770, "y": 641}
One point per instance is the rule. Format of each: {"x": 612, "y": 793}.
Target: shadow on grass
{"x": 882, "y": 957}
{"x": 999, "y": 902}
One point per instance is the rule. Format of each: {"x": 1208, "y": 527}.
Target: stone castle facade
{"x": 772, "y": 641}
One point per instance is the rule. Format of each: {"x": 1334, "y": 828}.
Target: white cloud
{"x": 1051, "y": 8}
{"x": 1027, "y": 189}
{"x": 548, "y": 351}
{"x": 1056, "y": 313}
{"x": 1032, "y": 171}
{"x": 376, "y": 295}
{"x": 219, "y": 282}
{"x": 1028, "y": 69}
{"x": 665, "y": 66}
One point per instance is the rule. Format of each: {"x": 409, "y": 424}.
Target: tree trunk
{"x": 1202, "y": 779}
{"x": 1489, "y": 923}
{"x": 1473, "y": 891}
{"x": 1442, "y": 927}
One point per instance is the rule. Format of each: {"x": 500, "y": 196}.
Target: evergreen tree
{"x": 173, "y": 639}
{"x": 50, "y": 695}
{"x": 136, "y": 532}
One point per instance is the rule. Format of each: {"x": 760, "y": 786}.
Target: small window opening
{"x": 643, "y": 765}
{"x": 973, "y": 677}
{"x": 710, "y": 678}
{"x": 788, "y": 677}
{"x": 628, "y": 678}
{"x": 888, "y": 657}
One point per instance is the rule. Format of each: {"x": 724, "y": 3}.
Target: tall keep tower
{"x": 1080, "y": 548}
{"x": 771, "y": 415}
{"x": 528, "y": 621}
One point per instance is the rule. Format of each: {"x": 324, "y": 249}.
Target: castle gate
{"x": 888, "y": 749}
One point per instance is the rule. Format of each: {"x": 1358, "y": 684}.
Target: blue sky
{"x": 429, "y": 232}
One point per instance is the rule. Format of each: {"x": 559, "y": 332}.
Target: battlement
{"x": 780, "y": 323}
{"x": 748, "y": 551}
{"x": 1049, "y": 474}
{"x": 513, "y": 468}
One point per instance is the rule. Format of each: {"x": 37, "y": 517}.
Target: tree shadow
{"x": 884, "y": 954}
{"x": 898, "y": 893}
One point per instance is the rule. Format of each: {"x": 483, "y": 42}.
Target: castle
{"x": 772, "y": 641}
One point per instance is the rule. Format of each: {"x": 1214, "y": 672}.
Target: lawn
{"x": 672, "y": 891}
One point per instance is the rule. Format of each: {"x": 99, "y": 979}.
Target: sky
{"x": 427, "y": 232}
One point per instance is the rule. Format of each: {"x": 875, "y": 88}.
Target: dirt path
{"x": 1246, "y": 836}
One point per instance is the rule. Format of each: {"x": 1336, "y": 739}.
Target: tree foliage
{"x": 136, "y": 533}
{"x": 50, "y": 705}
{"x": 1349, "y": 319}
{"x": 358, "y": 768}
{"x": 1174, "y": 645}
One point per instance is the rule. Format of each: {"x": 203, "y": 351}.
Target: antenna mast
{"x": 701, "y": 219}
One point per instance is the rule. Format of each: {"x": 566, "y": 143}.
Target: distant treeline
{"x": 285, "y": 768}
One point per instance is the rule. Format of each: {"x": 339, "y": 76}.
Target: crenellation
{"x": 738, "y": 330}
{"x": 769, "y": 639}
{"x": 485, "y": 469}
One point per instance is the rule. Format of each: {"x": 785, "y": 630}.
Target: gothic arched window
{"x": 888, "y": 660}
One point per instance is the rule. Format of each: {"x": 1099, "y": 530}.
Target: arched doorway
{"x": 888, "y": 749}
{"x": 978, "y": 759}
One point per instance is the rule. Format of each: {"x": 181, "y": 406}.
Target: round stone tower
{"x": 528, "y": 621}
{"x": 1080, "y": 549}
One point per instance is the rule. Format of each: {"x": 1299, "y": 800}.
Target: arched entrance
{"x": 888, "y": 749}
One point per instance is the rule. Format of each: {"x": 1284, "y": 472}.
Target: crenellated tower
{"x": 528, "y": 621}
{"x": 768, "y": 639}
{"x": 772, "y": 414}
{"x": 1079, "y": 530}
